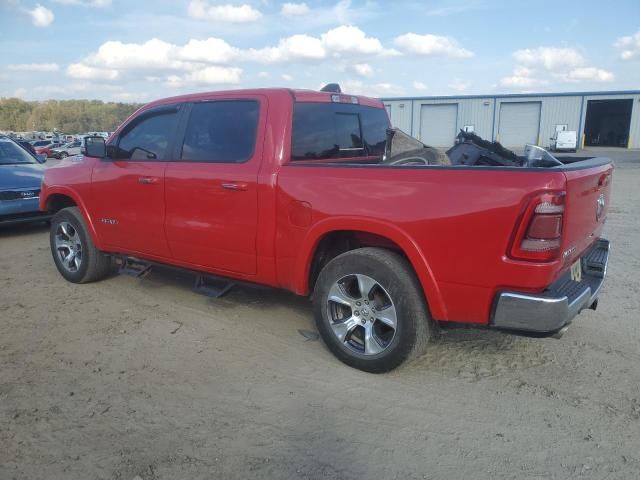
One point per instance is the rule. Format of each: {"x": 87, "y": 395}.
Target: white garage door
{"x": 519, "y": 123}
{"x": 438, "y": 124}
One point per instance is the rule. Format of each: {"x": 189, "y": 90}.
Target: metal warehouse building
{"x": 607, "y": 119}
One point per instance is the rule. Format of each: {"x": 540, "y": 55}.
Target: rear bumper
{"x": 556, "y": 307}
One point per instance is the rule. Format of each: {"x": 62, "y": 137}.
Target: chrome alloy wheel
{"x": 361, "y": 314}
{"x": 68, "y": 246}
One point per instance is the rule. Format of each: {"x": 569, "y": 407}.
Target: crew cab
{"x": 300, "y": 190}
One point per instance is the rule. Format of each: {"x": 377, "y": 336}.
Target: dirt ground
{"x": 135, "y": 378}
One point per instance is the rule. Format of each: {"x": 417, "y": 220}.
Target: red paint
{"x": 455, "y": 225}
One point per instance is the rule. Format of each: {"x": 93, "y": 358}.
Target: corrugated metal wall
{"x": 483, "y": 113}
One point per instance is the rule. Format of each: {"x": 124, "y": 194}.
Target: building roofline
{"x": 514, "y": 95}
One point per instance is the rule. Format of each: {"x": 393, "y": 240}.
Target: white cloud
{"x": 459, "y": 85}
{"x": 287, "y": 77}
{"x": 629, "y": 46}
{"x": 521, "y": 79}
{"x": 151, "y": 54}
{"x": 588, "y": 73}
{"x": 34, "y": 67}
{"x": 536, "y": 66}
{"x": 362, "y": 69}
{"x": 343, "y": 40}
{"x": 85, "y": 72}
{"x": 350, "y": 39}
{"x": 201, "y": 10}
{"x": 294, "y": 9}
{"x": 551, "y": 58}
{"x": 213, "y": 75}
{"x": 431, "y": 45}
{"x": 357, "y": 87}
{"x": 417, "y": 85}
{"x": 296, "y": 47}
{"x": 86, "y": 3}
{"x": 211, "y": 50}
{"x": 450, "y": 10}
{"x": 40, "y": 16}
{"x": 263, "y": 75}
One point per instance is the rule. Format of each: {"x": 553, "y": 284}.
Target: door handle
{"x": 147, "y": 180}
{"x": 237, "y": 186}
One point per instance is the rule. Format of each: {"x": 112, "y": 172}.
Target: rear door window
{"x": 221, "y": 131}
{"x": 333, "y": 130}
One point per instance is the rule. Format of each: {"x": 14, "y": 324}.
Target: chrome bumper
{"x": 553, "y": 309}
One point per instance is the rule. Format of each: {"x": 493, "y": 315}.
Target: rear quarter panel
{"x": 454, "y": 224}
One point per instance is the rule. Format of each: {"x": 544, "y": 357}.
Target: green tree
{"x": 67, "y": 116}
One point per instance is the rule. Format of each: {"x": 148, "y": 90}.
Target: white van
{"x": 564, "y": 140}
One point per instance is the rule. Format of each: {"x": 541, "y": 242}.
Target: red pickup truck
{"x": 296, "y": 190}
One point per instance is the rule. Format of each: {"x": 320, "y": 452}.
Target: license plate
{"x": 576, "y": 271}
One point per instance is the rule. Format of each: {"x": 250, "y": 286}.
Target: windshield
{"x": 11, "y": 153}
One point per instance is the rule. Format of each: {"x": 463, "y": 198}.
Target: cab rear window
{"x": 335, "y": 130}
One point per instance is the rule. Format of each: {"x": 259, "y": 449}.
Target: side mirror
{"x": 95, "y": 147}
{"x": 41, "y": 157}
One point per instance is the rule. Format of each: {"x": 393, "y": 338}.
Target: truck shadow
{"x": 474, "y": 354}
{"x": 465, "y": 353}
{"x": 242, "y": 294}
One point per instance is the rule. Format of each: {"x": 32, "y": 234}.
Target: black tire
{"x": 63, "y": 155}
{"x": 397, "y": 279}
{"x": 94, "y": 265}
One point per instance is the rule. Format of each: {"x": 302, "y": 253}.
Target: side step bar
{"x": 209, "y": 285}
{"x": 212, "y": 286}
{"x": 134, "y": 267}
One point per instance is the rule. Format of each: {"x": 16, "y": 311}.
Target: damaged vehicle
{"x": 311, "y": 191}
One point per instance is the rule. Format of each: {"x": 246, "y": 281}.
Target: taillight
{"x": 539, "y": 234}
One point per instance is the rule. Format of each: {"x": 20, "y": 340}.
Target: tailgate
{"x": 587, "y": 204}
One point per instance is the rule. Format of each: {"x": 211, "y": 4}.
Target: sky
{"x": 139, "y": 50}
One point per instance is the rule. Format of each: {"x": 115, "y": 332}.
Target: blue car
{"x": 20, "y": 177}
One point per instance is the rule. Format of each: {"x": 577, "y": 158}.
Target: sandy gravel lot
{"x": 128, "y": 377}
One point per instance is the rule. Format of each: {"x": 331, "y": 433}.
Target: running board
{"x": 133, "y": 267}
{"x": 212, "y": 286}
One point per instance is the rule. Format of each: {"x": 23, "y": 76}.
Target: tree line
{"x": 67, "y": 116}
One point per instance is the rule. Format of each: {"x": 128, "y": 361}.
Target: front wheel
{"x": 74, "y": 253}
{"x": 370, "y": 309}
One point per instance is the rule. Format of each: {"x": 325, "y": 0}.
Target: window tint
{"x": 335, "y": 130}
{"x": 12, "y": 153}
{"x": 221, "y": 132}
{"x": 147, "y": 139}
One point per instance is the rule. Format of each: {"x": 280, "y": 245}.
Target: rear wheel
{"x": 370, "y": 310}
{"x": 75, "y": 255}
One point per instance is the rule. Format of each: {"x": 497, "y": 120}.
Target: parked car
{"x": 71, "y": 148}
{"x": 20, "y": 178}
{"x": 44, "y": 147}
{"x": 307, "y": 195}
